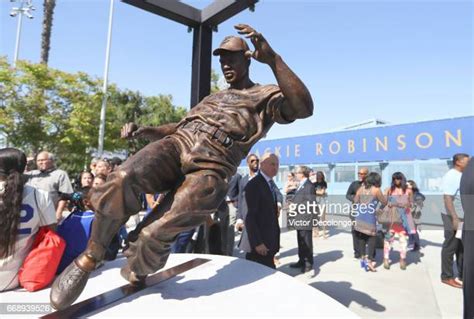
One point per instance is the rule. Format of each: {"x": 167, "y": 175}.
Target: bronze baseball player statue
{"x": 191, "y": 160}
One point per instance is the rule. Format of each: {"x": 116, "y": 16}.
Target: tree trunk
{"x": 48, "y": 7}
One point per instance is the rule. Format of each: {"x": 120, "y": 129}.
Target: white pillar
{"x": 104, "y": 88}
{"x": 18, "y": 34}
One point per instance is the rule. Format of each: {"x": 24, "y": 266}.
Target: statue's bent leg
{"x": 155, "y": 168}
{"x": 197, "y": 197}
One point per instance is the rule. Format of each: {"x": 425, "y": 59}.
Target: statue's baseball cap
{"x": 232, "y": 43}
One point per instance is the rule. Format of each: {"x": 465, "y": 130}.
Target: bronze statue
{"x": 191, "y": 160}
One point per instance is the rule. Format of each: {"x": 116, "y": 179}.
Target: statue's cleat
{"x": 68, "y": 286}
{"x": 132, "y": 277}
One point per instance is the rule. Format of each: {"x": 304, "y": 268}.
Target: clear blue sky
{"x": 397, "y": 60}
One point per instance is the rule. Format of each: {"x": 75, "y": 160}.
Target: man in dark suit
{"x": 467, "y": 199}
{"x": 351, "y": 191}
{"x": 305, "y": 195}
{"x": 261, "y": 222}
{"x": 253, "y": 165}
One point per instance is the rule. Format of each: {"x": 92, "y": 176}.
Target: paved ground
{"x": 414, "y": 293}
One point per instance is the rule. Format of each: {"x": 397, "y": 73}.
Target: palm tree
{"x": 48, "y": 7}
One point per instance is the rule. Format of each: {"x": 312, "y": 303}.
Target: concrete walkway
{"x": 414, "y": 293}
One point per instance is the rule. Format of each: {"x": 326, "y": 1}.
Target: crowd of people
{"x": 36, "y": 193}
{"x": 402, "y": 201}
{"x": 252, "y": 206}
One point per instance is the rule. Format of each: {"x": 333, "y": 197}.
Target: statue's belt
{"x": 215, "y": 132}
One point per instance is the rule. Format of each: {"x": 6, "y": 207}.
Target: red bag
{"x": 40, "y": 266}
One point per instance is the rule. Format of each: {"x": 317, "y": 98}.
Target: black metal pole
{"x": 201, "y": 67}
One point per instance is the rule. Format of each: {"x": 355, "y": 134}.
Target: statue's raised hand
{"x": 263, "y": 51}
{"x": 131, "y": 130}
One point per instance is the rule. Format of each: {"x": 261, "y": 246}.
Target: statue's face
{"x": 234, "y": 66}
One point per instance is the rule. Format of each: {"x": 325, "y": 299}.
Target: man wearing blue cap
{"x": 191, "y": 161}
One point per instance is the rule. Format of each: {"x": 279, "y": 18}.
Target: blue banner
{"x": 422, "y": 140}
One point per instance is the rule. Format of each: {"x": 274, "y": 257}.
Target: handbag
{"x": 39, "y": 267}
{"x": 388, "y": 216}
{"x": 416, "y": 212}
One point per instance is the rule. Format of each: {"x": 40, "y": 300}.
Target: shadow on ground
{"x": 319, "y": 260}
{"x": 345, "y": 294}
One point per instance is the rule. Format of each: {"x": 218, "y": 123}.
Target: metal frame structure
{"x": 202, "y": 22}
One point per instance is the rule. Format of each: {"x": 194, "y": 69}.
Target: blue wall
{"x": 422, "y": 140}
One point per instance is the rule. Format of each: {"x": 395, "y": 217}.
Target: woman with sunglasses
{"x": 367, "y": 198}
{"x": 400, "y": 197}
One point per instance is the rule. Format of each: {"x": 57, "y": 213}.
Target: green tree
{"x": 44, "y": 108}
{"x": 160, "y": 109}
{"x": 217, "y": 82}
{"x": 23, "y": 104}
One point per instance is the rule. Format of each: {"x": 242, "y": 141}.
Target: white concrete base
{"x": 223, "y": 287}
